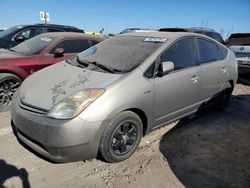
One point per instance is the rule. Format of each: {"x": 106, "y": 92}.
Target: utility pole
{"x": 45, "y": 17}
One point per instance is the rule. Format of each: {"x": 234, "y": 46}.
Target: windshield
{"x": 9, "y": 31}
{"x": 33, "y": 45}
{"x": 122, "y": 53}
{"x": 239, "y": 39}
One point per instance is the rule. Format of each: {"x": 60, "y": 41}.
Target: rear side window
{"x": 182, "y": 54}
{"x": 208, "y": 51}
{"x": 239, "y": 39}
{"x": 223, "y": 52}
{"x": 72, "y": 46}
{"x": 93, "y": 42}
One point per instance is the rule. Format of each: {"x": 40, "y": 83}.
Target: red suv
{"x": 34, "y": 54}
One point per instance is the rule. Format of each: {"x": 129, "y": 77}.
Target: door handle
{"x": 194, "y": 79}
{"x": 224, "y": 70}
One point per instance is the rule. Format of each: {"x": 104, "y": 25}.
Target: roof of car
{"x": 70, "y": 35}
{"x": 167, "y": 35}
{"x": 160, "y": 34}
{"x": 56, "y": 25}
{"x": 191, "y": 29}
{"x": 64, "y": 27}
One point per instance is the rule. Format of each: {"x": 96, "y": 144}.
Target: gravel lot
{"x": 211, "y": 150}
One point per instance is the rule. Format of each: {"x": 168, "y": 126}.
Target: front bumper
{"x": 57, "y": 140}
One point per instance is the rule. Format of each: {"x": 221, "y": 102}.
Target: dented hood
{"x": 49, "y": 86}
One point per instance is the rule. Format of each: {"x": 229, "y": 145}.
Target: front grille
{"x": 30, "y": 139}
{"x": 31, "y": 108}
{"x": 242, "y": 54}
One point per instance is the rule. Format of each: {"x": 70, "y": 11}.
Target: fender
{"x": 8, "y": 68}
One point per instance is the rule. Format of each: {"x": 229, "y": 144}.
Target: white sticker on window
{"x": 155, "y": 39}
{"x": 46, "y": 39}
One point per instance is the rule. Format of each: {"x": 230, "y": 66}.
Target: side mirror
{"x": 19, "y": 38}
{"x": 165, "y": 68}
{"x": 59, "y": 52}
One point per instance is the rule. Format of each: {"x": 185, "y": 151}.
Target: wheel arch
{"x": 12, "y": 72}
{"x": 228, "y": 85}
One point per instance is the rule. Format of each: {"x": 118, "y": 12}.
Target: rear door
{"x": 177, "y": 93}
{"x": 213, "y": 68}
{"x": 71, "y": 47}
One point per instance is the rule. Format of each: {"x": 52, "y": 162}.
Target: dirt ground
{"x": 211, "y": 150}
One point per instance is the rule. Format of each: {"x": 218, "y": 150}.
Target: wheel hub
{"x": 124, "y": 138}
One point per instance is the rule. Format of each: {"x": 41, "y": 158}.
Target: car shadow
{"x": 213, "y": 149}
{"x": 8, "y": 171}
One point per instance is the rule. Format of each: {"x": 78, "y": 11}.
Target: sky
{"x": 224, "y": 16}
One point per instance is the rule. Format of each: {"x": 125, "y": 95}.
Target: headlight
{"x": 75, "y": 104}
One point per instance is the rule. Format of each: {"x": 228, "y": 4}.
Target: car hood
{"x": 51, "y": 85}
{"x": 7, "y": 54}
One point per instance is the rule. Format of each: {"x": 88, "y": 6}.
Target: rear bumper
{"x": 57, "y": 140}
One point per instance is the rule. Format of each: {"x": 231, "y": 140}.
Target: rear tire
{"x": 8, "y": 85}
{"x": 121, "y": 137}
{"x": 224, "y": 99}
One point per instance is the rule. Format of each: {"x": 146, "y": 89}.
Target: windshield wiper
{"x": 11, "y": 49}
{"x": 85, "y": 63}
{"x": 103, "y": 67}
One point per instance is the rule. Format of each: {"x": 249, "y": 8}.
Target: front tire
{"x": 121, "y": 137}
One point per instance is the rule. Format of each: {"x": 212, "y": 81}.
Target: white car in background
{"x": 240, "y": 44}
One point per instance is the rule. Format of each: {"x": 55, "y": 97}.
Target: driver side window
{"x": 25, "y": 34}
{"x": 29, "y": 33}
{"x": 181, "y": 53}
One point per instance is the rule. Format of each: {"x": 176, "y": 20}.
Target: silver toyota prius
{"x": 109, "y": 96}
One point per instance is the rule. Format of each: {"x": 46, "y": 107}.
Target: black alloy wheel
{"x": 124, "y": 138}
{"x": 8, "y": 85}
{"x": 121, "y": 137}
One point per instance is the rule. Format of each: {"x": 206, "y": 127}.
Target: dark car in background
{"x": 205, "y": 31}
{"x": 17, "y": 34}
{"x": 240, "y": 44}
{"x": 34, "y": 54}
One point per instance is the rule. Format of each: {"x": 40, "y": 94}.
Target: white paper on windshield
{"x": 155, "y": 39}
{"x": 46, "y": 39}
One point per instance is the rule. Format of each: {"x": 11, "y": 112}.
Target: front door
{"x": 177, "y": 93}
